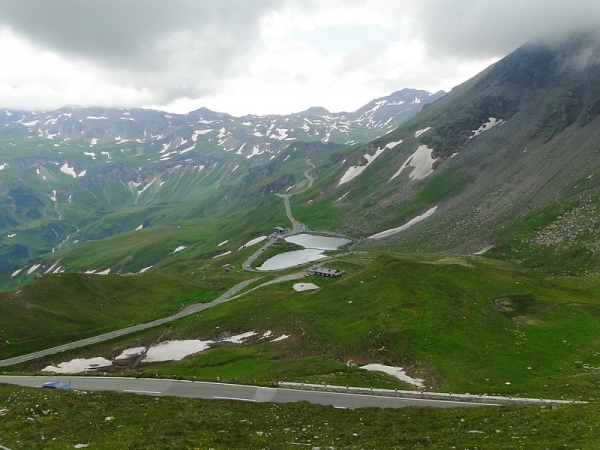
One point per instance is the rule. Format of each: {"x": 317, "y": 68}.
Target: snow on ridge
{"x": 421, "y": 161}
{"x": 487, "y": 126}
{"x": 420, "y": 132}
{"x": 408, "y": 224}
{"x": 369, "y": 113}
{"x": 199, "y": 132}
{"x": 96, "y": 118}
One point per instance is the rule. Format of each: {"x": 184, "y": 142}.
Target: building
{"x": 279, "y": 230}
{"x": 325, "y": 272}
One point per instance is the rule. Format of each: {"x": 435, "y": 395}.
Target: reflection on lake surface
{"x": 320, "y": 242}
{"x": 314, "y": 248}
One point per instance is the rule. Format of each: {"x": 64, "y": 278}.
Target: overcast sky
{"x": 258, "y": 56}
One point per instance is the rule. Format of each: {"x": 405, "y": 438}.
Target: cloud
{"x": 482, "y": 29}
{"x": 168, "y": 49}
{"x": 259, "y": 56}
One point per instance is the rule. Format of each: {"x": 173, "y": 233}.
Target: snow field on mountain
{"x": 421, "y": 161}
{"x": 71, "y": 171}
{"x": 408, "y": 224}
{"x": 355, "y": 171}
{"x": 487, "y": 126}
{"x": 420, "y": 132}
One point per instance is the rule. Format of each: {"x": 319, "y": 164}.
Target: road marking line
{"x": 141, "y": 392}
{"x": 217, "y": 397}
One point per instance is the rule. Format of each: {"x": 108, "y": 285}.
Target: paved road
{"x": 222, "y": 391}
{"x": 192, "y": 309}
{"x": 297, "y": 227}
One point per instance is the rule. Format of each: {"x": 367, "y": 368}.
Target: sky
{"x": 259, "y": 56}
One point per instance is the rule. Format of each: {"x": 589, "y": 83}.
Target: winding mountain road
{"x": 297, "y": 227}
{"x": 224, "y": 391}
{"x": 192, "y": 309}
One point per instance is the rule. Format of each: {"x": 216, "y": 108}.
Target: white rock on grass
{"x": 305, "y": 286}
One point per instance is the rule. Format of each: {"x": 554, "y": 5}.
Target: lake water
{"x": 314, "y": 246}
{"x": 291, "y": 259}
{"x": 318, "y": 242}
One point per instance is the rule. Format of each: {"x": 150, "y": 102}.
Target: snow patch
{"x": 397, "y": 372}
{"x": 281, "y": 134}
{"x": 145, "y": 269}
{"x": 222, "y": 254}
{"x": 408, "y": 224}
{"x": 223, "y": 243}
{"x": 254, "y": 241}
{"x": 239, "y": 338}
{"x": 421, "y": 162}
{"x": 355, "y": 171}
{"x": 281, "y": 338}
{"x": 420, "y": 132}
{"x": 178, "y": 249}
{"x": 68, "y": 170}
{"x": 487, "y": 126}
{"x": 3, "y": 166}
{"x": 33, "y": 268}
{"x": 78, "y": 365}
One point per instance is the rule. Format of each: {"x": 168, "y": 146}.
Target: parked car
{"x": 56, "y": 385}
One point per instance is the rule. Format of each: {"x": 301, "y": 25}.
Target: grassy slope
{"x": 62, "y": 308}
{"x": 35, "y": 418}
{"x": 438, "y": 319}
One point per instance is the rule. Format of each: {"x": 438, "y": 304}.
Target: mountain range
{"x": 63, "y": 170}
{"x": 505, "y": 163}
